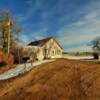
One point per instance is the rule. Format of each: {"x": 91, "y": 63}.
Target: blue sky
{"x": 73, "y": 22}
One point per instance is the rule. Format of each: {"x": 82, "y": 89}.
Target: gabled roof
{"x": 42, "y": 42}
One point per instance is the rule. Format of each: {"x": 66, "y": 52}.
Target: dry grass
{"x": 6, "y": 61}
{"x": 6, "y": 68}
{"x": 59, "y": 80}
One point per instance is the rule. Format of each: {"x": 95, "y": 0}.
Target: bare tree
{"x": 96, "y": 47}
{"x": 8, "y": 31}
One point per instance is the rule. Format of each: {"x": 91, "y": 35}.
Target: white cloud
{"x": 24, "y": 39}
{"x": 83, "y": 30}
{"x": 82, "y": 48}
{"x": 39, "y": 34}
{"x": 33, "y": 6}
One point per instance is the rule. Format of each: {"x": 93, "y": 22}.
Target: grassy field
{"x": 59, "y": 80}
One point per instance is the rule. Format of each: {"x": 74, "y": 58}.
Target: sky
{"x": 74, "y": 23}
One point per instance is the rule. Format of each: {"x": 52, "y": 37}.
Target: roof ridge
{"x": 40, "y": 42}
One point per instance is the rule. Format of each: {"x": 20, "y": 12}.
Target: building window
{"x": 52, "y": 53}
{"x": 55, "y": 52}
{"x": 58, "y": 52}
{"x": 47, "y": 51}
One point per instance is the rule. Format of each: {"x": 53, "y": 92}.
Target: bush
{"x": 7, "y": 58}
{"x": 3, "y": 63}
{"x": 96, "y": 55}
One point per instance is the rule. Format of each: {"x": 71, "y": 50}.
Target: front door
{"x": 52, "y": 53}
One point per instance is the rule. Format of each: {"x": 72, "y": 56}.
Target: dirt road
{"x": 21, "y": 69}
{"x": 59, "y": 80}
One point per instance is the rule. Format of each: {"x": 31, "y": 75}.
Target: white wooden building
{"x": 43, "y": 49}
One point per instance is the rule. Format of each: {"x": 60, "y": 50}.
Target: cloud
{"x": 82, "y": 48}
{"x": 32, "y": 7}
{"x": 74, "y": 23}
{"x": 83, "y": 30}
{"x": 23, "y": 39}
{"x": 39, "y": 34}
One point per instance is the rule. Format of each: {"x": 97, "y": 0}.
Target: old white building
{"x": 43, "y": 49}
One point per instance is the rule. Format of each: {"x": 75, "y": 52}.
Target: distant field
{"x": 79, "y": 57}
{"x": 59, "y": 80}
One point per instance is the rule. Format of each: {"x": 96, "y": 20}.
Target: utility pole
{"x": 8, "y": 29}
{"x": 6, "y": 35}
{"x": 5, "y": 29}
{"x": 8, "y": 46}
{"x": 19, "y": 59}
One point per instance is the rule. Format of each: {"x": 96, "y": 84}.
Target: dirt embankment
{"x": 6, "y": 61}
{"x": 59, "y": 80}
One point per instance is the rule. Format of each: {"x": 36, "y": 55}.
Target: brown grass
{"x": 59, "y": 80}
{"x": 6, "y": 61}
